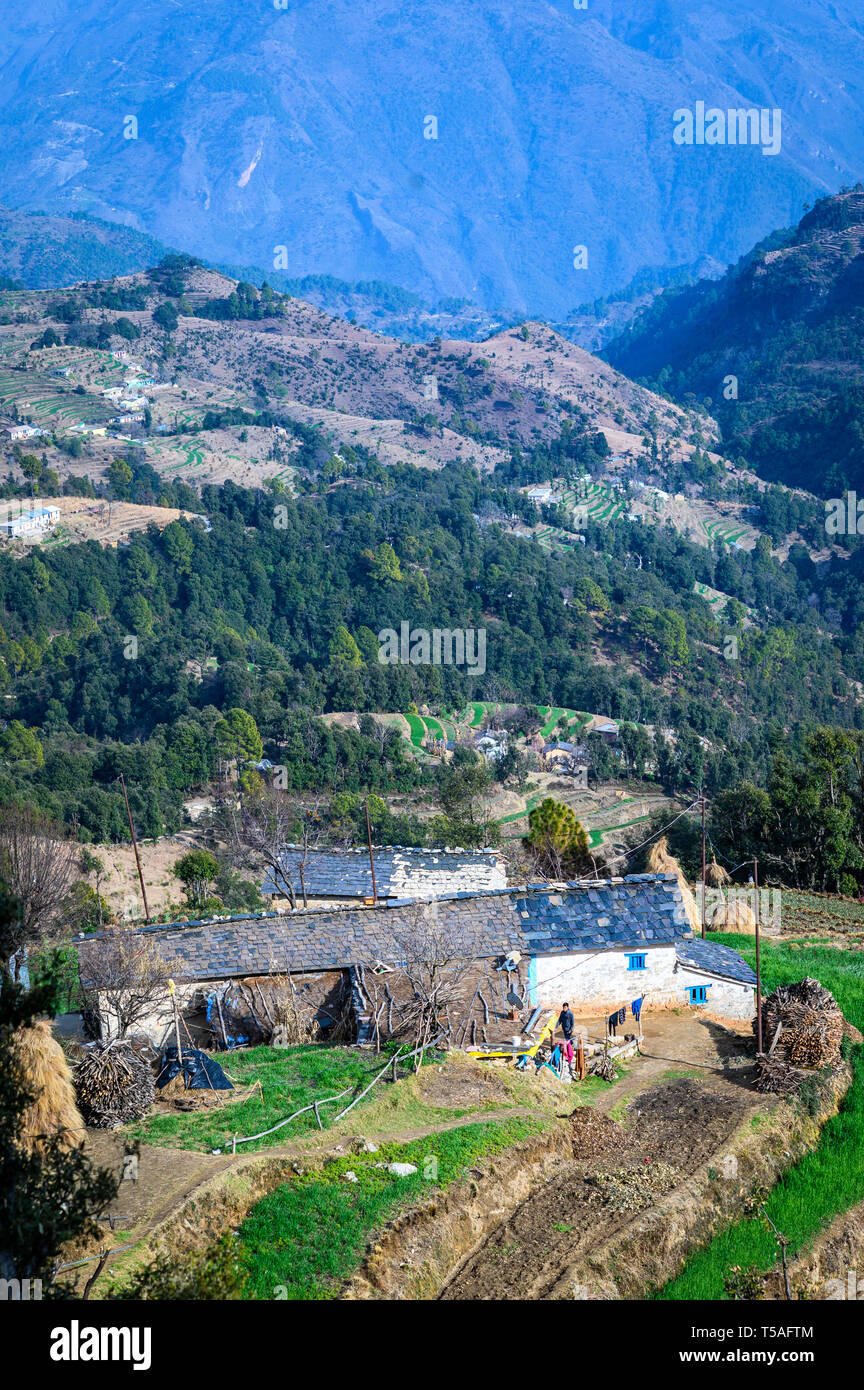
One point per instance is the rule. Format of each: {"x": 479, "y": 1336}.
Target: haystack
{"x": 732, "y": 914}
{"x": 114, "y": 1085}
{"x": 660, "y": 861}
{"x": 47, "y": 1076}
{"x": 715, "y": 875}
{"x": 802, "y": 1028}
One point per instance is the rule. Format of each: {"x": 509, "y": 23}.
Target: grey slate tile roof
{"x": 539, "y": 919}
{"x": 399, "y": 872}
{"x": 717, "y": 959}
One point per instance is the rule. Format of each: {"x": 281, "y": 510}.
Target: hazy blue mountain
{"x": 262, "y": 127}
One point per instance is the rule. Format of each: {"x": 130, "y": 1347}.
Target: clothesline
{"x": 622, "y": 1009}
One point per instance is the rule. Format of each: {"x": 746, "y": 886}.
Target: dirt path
{"x": 169, "y": 1176}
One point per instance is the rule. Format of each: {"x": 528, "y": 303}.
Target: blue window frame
{"x": 636, "y": 962}
{"x": 698, "y": 993}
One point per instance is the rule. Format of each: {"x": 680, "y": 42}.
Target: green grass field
{"x": 306, "y": 1237}
{"x": 827, "y": 1181}
{"x": 290, "y": 1078}
{"x": 418, "y": 729}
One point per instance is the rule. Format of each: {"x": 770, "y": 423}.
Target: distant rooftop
{"x": 400, "y": 872}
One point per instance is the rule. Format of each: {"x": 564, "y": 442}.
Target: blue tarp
{"x": 200, "y": 1072}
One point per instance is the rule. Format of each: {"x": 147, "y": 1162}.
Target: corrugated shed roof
{"x": 540, "y": 919}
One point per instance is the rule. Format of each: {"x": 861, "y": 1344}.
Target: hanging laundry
{"x": 636, "y": 1008}
{"x": 612, "y": 1023}
{"x": 622, "y": 1015}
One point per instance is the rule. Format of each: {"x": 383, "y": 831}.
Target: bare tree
{"x": 435, "y": 957}
{"x": 267, "y": 829}
{"x": 38, "y": 860}
{"x": 123, "y": 979}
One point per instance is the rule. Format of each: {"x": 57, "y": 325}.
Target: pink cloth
{"x": 568, "y": 1050}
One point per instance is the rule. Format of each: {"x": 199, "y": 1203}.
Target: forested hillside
{"x": 328, "y": 484}
{"x": 774, "y": 349}
{"x": 278, "y": 606}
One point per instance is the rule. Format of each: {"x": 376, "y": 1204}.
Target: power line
{"x": 625, "y": 854}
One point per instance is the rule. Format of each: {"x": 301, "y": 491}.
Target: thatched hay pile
{"x": 660, "y": 861}
{"x": 715, "y": 875}
{"x": 734, "y": 913}
{"x": 802, "y": 1028}
{"x": 47, "y": 1076}
{"x": 114, "y": 1085}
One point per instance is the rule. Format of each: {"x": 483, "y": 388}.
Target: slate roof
{"x": 399, "y": 872}
{"x": 716, "y": 959}
{"x": 540, "y": 919}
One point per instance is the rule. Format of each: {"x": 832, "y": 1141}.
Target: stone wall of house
{"x": 158, "y": 1024}
{"x": 728, "y": 998}
{"x": 596, "y": 984}
{"x": 592, "y": 984}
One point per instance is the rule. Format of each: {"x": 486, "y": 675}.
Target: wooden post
{"x": 371, "y": 860}
{"x": 758, "y": 962}
{"x": 135, "y": 847}
{"x": 703, "y": 866}
{"x": 172, "y": 992}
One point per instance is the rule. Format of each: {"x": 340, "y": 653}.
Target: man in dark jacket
{"x": 565, "y": 1022}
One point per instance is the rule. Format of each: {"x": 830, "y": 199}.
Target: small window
{"x": 698, "y": 993}
{"x": 636, "y": 962}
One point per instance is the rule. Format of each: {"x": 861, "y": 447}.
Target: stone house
{"x": 333, "y": 877}
{"x": 597, "y": 944}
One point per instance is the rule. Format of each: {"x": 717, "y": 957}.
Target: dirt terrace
{"x": 675, "y": 1107}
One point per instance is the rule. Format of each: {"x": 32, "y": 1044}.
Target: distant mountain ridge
{"x": 458, "y": 151}
{"x": 776, "y": 349}
{"x": 44, "y": 251}
{"x": 48, "y": 250}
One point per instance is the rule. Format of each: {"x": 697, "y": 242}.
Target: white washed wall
{"x": 725, "y": 997}
{"x": 597, "y": 983}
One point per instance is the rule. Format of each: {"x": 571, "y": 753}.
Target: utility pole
{"x": 758, "y": 966}
{"x": 171, "y": 991}
{"x": 135, "y": 847}
{"x": 703, "y": 866}
{"x": 371, "y": 860}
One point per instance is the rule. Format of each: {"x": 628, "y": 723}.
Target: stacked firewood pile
{"x": 802, "y": 1028}
{"x": 114, "y": 1084}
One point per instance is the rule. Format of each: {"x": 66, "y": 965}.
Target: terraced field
{"x": 601, "y": 503}
{"x": 188, "y": 453}
{"x": 552, "y": 715}
{"x": 729, "y": 531}
{"x": 37, "y": 397}
{"x": 820, "y": 912}
{"x": 553, "y": 538}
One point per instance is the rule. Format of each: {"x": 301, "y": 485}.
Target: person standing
{"x": 565, "y": 1023}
